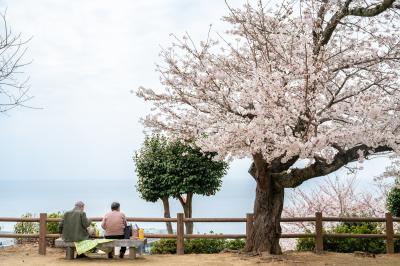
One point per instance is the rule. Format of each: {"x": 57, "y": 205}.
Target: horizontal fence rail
{"x": 8, "y": 219}
{"x": 215, "y": 220}
{"x": 180, "y": 220}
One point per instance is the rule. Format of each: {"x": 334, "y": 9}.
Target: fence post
{"x": 42, "y": 233}
{"x": 319, "y": 238}
{"x": 249, "y": 226}
{"x": 389, "y": 234}
{"x": 179, "y": 234}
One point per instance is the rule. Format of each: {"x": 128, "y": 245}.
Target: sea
{"x": 4, "y": 242}
{"x": 19, "y": 197}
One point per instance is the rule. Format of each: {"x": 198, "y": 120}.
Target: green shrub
{"x": 197, "y": 246}
{"x": 164, "y": 246}
{"x": 393, "y": 201}
{"x": 347, "y": 245}
{"x": 204, "y": 245}
{"x": 306, "y": 244}
{"x": 26, "y": 228}
{"x": 235, "y": 244}
{"x": 33, "y": 228}
{"x": 397, "y": 245}
{"x": 52, "y": 227}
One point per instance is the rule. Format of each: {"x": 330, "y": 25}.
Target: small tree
{"x": 173, "y": 169}
{"x": 153, "y": 183}
{"x": 193, "y": 172}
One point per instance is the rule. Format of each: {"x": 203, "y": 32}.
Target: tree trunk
{"x": 267, "y": 214}
{"x": 167, "y": 214}
{"x": 187, "y": 209}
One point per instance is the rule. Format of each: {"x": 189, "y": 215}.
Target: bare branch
{"x": 13, "y": 86}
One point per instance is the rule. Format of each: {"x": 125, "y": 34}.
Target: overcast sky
{"x": 87, "y": 57}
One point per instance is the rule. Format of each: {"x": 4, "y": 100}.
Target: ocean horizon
{"x": 19, "y": 197}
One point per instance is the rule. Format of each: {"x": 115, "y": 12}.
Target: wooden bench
{"x": 132, "y": 244}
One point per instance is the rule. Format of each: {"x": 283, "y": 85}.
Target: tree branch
{"x": 181, "y": 200}
{"x": 357, "y": 11}
{"x": 297, "y": 176}
{"x": 370, "y": 12}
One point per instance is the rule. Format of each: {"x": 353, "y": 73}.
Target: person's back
{"x": 74, "y": 224}
{"x": 114, "y": 223}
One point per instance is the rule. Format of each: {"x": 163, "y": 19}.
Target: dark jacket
{"x": 74, "y": 226}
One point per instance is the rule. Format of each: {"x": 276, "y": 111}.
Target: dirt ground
{"x": 28, "y": 255}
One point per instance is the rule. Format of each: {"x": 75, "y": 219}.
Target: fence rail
{"x": 180, "y": 220}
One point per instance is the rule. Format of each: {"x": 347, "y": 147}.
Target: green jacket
{"x": 74, "y": 226}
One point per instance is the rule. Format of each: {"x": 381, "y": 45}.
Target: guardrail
{"x": 180, "y": 235}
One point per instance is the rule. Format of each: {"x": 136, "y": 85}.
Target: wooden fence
{"x": 180, "y": 235}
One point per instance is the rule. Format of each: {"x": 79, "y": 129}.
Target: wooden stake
{"x": 319, "y": 238}
{"x": 42, "y": 233}
{"x": 180, "y": 234}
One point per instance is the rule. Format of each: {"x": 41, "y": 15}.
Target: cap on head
{"x": 115, "y": 206}
{"x": 79, "y": 204}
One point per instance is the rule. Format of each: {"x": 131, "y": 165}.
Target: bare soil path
{"x": 27, "y": 255}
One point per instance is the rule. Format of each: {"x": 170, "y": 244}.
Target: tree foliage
{"x": 151, "y": 163}
{"x": 173, "y": 168}
{"x": 312, "y": 84}
{"x": 52, "y": 227}
{"x": 393, "y": 201}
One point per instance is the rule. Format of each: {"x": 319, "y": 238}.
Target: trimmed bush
{"x": 306, "y": 244}
{"x": 393, "y": 201}
{"x": 347, "y": 245}
{"x": 33, "y": 228}
{"x": 164, "y": 246}
{"x": 26, "y": 228}
{"x": 235, "y": 244}
{"x": 197, "y": 246}
{"x": 204, "y": 245}
{"x": 52, "y": 227}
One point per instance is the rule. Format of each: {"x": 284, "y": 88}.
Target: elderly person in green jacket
{"x": 74, "y": 224}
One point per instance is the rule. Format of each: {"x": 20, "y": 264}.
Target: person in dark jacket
{"x": 74, "y": 224}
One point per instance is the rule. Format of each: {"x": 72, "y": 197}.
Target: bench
{"x": 132, "y": 244}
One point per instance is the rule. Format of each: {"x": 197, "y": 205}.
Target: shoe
{"x": 121, "y": 255}
{"x": 82, "y": 256}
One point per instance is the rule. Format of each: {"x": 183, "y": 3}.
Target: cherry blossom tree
{"x": 301, "y": 80}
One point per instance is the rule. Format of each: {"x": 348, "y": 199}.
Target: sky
{"x": 87, "y": 58}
